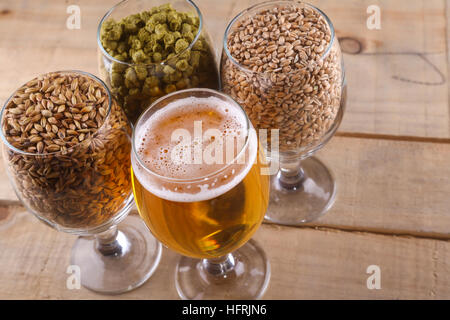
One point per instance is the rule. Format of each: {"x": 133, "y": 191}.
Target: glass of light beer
{"x": 200, "y": 186}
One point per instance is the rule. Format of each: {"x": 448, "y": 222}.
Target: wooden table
{"x": 391, "y": 158}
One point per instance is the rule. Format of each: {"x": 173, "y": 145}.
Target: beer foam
{"x": 154, "y": 149}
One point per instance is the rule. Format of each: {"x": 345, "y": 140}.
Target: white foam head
{"x": 165, "y": 179}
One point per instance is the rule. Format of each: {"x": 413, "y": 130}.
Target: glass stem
{"x": 112, "y": 242}
{"x": 291, "y": 177}
{"x": 219, "y": 267}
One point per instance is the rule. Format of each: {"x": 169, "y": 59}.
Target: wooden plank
{"x": 306, "y": 264}
{"x": 398, "y": 82}
{"x": 411, "y": 45}
{"x": 447, "y": 35}
{"x": 389, "y": 186}
{"x": 386, "y": 186}
{"x": 328, "y": 264}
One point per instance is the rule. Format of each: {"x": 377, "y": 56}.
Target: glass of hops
{"x": 282, "y": 62}
{"x": 66, "y": 149}
{"x": 149, "y": 48}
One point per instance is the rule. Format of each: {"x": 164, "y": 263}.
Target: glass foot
{"x": 301, "y": 197}
{"x": 121, "y": 264}
{"x": 243, "y": 274}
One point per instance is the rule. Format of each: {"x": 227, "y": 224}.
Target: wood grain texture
{"x": 387, "y": 185}
{"x": 399, "y": 80}
{"x": 321, "y": 264}
{"x": 447, "y": 36}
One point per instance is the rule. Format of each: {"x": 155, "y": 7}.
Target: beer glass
{"x": 207, "y": 210}
{"x": 304, "y": 104}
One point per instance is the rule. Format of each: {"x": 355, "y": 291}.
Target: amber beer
{"x": 201, "y": 210}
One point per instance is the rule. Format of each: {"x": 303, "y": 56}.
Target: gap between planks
{"x": 367, "y": 230}
{"x": 377, "y": 136}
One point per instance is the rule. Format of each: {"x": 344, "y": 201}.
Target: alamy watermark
{"x": 74, "y": 279}
{"x": 374, "y": 280}
{"x": 374, "y": 19}
{"x": 74, "y": 20}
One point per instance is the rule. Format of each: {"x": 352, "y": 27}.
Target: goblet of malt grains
{"x": 282, "y": 62}
{"x": 66, "y": 149}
